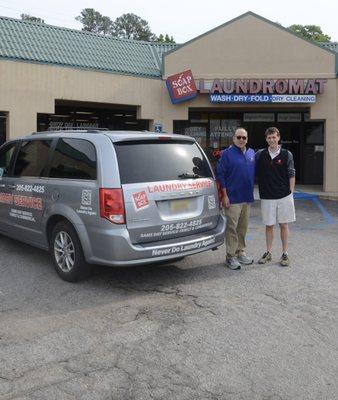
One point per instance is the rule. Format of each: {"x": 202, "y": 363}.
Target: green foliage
{"x": 311, "y": 32}
{"x": 93, "y": 21}
{"x": 131, "y": 26}
{"x": 127, "y": 26}
{"x": 165, "y": 39}
{"x": 27, "y": 17}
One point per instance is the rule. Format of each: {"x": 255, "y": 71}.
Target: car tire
{"x": 67, "y": 254}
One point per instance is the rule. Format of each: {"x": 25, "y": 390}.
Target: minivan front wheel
{"x": 67, "y": 253}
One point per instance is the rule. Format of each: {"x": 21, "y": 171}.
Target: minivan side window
{"x": 6, "y": 154}
{"x": 73, "y": 159}
{"x": 32, "y": 158}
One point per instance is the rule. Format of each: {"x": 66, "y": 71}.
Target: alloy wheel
{"x": 64, "y": 251}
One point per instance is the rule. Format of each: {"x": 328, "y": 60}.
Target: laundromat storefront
{"x": 214, "y": 128}
{"x": 255, "y": 74}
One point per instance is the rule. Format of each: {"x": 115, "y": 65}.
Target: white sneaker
{"x": 232, "y": 263}
{"x": 244, "y": 259}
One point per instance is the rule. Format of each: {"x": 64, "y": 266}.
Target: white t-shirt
{"x": 274, "y": 154}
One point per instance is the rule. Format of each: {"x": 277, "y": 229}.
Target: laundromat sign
{"x": 183, "y": 87}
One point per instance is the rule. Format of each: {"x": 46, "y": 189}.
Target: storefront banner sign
{"x": 55, "y": 125}
{"x": 181, "y": 87}
{"x": 261, "y": 98}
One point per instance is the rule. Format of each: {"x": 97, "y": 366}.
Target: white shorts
{"x": 278, "y": 210}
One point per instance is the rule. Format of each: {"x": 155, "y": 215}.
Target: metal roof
{"x": 42, "y": 43}
{"x": 329, "y": 45}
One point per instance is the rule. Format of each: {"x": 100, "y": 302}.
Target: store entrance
{"x": 305, "y": 140}
{"x": 303, "y": 137}
{"x": 290, "y": 138}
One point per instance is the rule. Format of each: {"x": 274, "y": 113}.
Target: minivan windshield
{"x": 160, "y": 160}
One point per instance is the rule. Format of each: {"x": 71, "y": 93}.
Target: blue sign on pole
{"x": 158, "y": 128}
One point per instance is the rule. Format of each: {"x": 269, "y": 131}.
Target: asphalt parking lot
{"x": 190, "y": 330}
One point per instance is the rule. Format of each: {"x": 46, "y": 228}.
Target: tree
{"x": 27, "y": 17}
{"x": 131, "y": 26}
{"x": 311, "y": 32}
{"x": 127, "y": 26}
{"x": 93, "y": 21}
{"x": 165, "y": 39}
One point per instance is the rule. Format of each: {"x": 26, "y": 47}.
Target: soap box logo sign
{"x": 140, "y": 200}
{"x": 181, "y": 87}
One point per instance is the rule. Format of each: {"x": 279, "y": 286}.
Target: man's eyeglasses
{"x": 241, "y": 137}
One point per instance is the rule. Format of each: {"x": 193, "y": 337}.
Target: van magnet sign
{"x": 181, "y": 87}
{"x": 140, "y": 200}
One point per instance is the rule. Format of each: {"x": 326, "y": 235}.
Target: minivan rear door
{"x": 168, "y": 187}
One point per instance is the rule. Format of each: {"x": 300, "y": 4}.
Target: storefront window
{"x": 314, "y": 134}
{"x": 221, "y": 131}
{"x": 3, "y": 125}
{"x": 199, "y": 133}
{"x": 198, "y": 117}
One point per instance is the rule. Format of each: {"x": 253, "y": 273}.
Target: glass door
{"x": 313, "y": 154}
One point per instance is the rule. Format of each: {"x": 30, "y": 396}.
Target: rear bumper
{"x": 114, "y": 248}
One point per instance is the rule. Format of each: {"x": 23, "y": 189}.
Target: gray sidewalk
{"x": 316, "y": 190}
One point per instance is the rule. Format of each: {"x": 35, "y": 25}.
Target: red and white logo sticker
{"x": 140, "y": 200}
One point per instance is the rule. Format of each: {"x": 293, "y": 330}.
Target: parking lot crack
{"x": 5, "y": 310}
{"x": 203, "y": 307}
{"x": 274, "y": 297}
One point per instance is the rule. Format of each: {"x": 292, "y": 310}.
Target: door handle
{"x": 2, "y": 185}
{"x": 11, "y": 186}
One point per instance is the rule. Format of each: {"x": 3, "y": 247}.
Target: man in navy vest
{"x": 276, "y": 181}
{"x": 236, "y": 173}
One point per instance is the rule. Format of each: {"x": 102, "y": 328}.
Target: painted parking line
{"x": 315, "y": 199}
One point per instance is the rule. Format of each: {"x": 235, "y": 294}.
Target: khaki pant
{"x": 236, "y": 228}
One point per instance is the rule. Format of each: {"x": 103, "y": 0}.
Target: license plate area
{"x": 179, "y": 205}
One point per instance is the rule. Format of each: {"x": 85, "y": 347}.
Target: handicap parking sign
{"x": 158, "y": 128}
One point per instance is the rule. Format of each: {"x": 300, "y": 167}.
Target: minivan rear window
{"x": 160, "y": 160}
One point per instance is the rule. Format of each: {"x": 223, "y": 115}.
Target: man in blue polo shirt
{"x": 236, "y": 175}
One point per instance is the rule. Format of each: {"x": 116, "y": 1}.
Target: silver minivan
{"x": 108, "y": 197}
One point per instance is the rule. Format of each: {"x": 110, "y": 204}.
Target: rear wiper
{"x": 185, "y": 175}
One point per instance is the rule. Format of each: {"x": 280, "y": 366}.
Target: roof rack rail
{"x": 69, "y": 129}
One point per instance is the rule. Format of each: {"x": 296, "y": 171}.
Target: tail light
{"x": 112, "y": 205}
{"x": 220, "y": 194}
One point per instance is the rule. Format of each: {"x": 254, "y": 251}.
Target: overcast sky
{"x": 183, "y": 19}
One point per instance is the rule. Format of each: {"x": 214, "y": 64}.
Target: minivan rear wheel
{"x": 67, "y": 253}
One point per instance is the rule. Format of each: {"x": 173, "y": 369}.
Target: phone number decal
{"x": 181, "y": 225}
{"x": 30, "y": 188}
